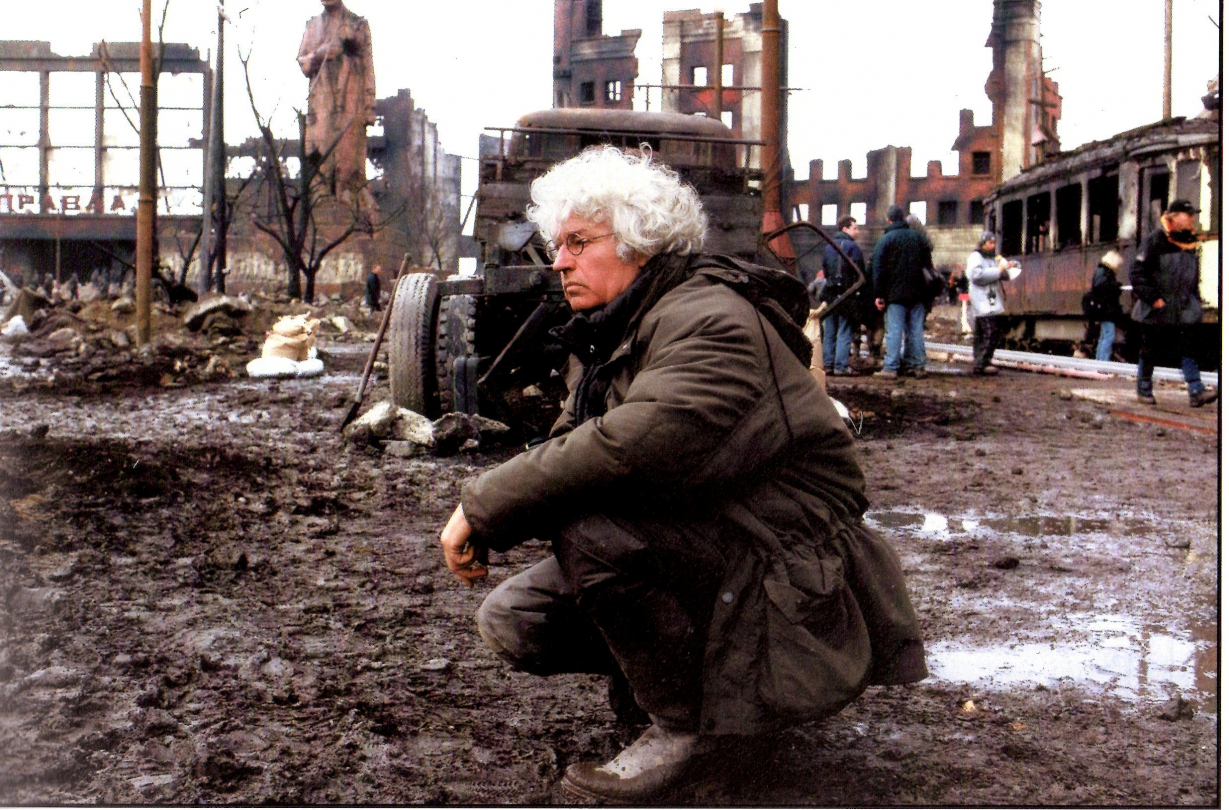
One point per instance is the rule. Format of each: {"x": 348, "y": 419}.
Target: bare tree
{"x": 293, "y": 216}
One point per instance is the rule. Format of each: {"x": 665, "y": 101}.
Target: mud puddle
{"x": 1138, "y": 657}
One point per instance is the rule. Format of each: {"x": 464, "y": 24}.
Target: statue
{"x": 336, "y": 56}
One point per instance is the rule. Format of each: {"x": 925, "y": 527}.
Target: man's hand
{"x": 880, "y": 304}
{"x": 463, "y": 558}
{"x": 1158, "y": 303}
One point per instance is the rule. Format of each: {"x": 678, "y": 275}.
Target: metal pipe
{"x": 145, "y": 203}
{"x": 770, "y": 128}
{"x": 1167, "y": 109}
{"x": 1082, "y": 364}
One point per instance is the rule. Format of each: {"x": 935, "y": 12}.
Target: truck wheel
{"x": 458, "y": 314}
{"x": 411, "y": 344}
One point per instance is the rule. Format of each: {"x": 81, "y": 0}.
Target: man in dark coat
{"x": 373, "y": 289}
{"x": 1102, "y": 303}
{"x": 1165, "y": 286}
{"x": 701, "y": 495}
{"x": 900, "y": 292}
{"x": 839, "y": 323}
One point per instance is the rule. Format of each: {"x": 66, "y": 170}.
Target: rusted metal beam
{"x": 770, "y": 129}
{"x": 719, "y": 18}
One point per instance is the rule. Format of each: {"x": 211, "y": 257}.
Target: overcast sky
{"x": 874, "y": 72}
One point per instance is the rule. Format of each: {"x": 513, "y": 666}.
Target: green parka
{"x": 710, "y": 412}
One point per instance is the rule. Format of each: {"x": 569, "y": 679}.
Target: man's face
{"x": 1182, "y": 221}
{"x": 853, "y": 230}
{"x": 597, "y": 275}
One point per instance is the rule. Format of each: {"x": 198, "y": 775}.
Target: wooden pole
{"x": 145, "y": 204}
{"x": 1167, "y": 108}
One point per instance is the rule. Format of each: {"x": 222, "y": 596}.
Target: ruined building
{"x": 69, "y": 158}
{"x": 1025, "y": 110}
{"x": 690, "y": 79}
{"x": 591, "y": 70}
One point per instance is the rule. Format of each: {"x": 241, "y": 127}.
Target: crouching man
{"x": 700, "y": 493}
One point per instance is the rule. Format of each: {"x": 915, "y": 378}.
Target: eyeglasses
{"x": 575, "y": 244}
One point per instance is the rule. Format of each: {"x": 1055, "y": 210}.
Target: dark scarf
{"x": 594, "y": 334}
{"x": 989, "y": 254}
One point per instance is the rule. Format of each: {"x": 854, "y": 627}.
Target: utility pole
{"x": 213, "y": 248}
{"x": 770, "y": 128}
{"x": 145, "y": 203}
{"x": 717, "y": 90}
{"x": 1167, "y": 108}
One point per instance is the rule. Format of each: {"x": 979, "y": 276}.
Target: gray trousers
{"x": 618, "y": 596}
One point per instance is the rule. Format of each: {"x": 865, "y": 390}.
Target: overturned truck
{"x": 481, "y": 344}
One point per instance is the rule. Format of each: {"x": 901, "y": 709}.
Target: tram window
{"x": 948, "y": 211}
{"x": 977, "y": 212}
{"x": 1187, "y": 185}
{"x": 1158, "y": 198}
{"x": 1067, "y": 209}
{"x": 1013, "y": 227}
{"x": 1103, "y": 208}
{"x": 1037, "y": 225}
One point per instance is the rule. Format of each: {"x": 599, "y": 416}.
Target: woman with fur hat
{"x": 1102, "y": 304}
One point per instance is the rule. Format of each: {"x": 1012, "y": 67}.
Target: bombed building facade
{"x": 1026, "y": 107}
{"x": 69, "y": 159}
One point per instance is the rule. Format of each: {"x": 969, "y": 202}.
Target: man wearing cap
{"x": 1165, "y": 286}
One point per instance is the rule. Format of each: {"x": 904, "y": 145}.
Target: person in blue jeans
{"x": 1102, "y": 305}
{"x": 838, "y": 326}
{"x": 1165, "y": 285}
{"x": 900, "y": 293}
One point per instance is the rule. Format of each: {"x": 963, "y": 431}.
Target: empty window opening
{"x": 586, "y": 93}
{"x": 1067, "y": 202}
{"x": 1037, "y": 233}
{"x": 858, "y": 211}
{"x": 1103, "y": 208}
{"x": 803, "y": 211}
{"x": 699, "y": 76}
{"x": 593, "y": 18}
{"x": 981, "y": 163}
{"x": 948, "y": 212}
{"x": 827, "y": 215}
{"x": 918, "y": 209}
{"x": 977, "y": 212}
{"x": 1013, "y": 228}
{"x": 614, "y": 91}
{"x": 727, "y": 118}
{"x": 727, "y": 75}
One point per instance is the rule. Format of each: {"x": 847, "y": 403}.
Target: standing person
{"x": 373, "y": 289}
{"x": 701, "y": 495}
{"x": 900, "y": 293}
{"x": 838, "y": 326}
{"x": 1103, "y": 304}
{"x": 986, "y": 272}
{"x": 1165, "y": 286}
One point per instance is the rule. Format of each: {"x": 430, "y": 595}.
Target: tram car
{"x": 1058, "y": 219}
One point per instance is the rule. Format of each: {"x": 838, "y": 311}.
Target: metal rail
{"x": 1073, "y": 363}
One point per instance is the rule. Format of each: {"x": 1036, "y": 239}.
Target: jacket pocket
{"x": 817, "y": 656}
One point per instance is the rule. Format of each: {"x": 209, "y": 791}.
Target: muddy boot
{"x": 626, "y": 711}
{"x": 1201, "y": 398}
{"x": 654, "y": 764}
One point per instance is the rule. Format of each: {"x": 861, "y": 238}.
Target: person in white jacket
{"x": 986, "y": 271}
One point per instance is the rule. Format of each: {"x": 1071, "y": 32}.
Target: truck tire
{"x": 411, "y": 344}
{"x": 455, "y": 339}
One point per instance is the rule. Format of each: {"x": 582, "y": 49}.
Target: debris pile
{"x": 403, "y": 433}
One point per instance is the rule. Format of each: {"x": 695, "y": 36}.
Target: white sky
{"x": 876, "y": 72}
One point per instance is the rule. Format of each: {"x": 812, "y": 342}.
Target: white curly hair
{"x": 649, "y": 209}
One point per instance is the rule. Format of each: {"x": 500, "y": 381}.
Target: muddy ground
{"x": 208, "y": 597}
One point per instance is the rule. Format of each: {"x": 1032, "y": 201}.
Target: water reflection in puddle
{"x": 932, "y": 523}
{"x": 1134, "y": 661}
